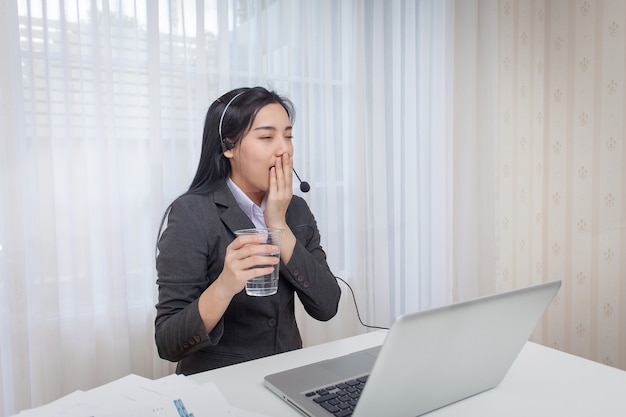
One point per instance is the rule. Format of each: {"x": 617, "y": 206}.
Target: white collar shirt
{"x": 253, "y": 211}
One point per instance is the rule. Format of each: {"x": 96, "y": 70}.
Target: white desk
{"x": 541, "y": 382}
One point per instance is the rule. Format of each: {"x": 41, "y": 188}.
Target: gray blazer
{"x": 191, "y": 253}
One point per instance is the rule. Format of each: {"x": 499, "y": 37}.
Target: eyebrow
{"x": 271, "y": 128}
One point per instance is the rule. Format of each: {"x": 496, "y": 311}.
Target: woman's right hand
{"x": 246, "y": 258}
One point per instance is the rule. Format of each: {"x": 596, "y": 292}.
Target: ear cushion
{"x": 227, "y": 145}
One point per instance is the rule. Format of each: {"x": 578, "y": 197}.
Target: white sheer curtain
{"x": 101, "y": 119}
{"x": 384, "y": 177}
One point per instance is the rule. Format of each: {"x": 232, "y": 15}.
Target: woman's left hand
{"x": 280, "y": 192}
{"x": 278, "y": 199}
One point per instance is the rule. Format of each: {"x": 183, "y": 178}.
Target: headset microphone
{"x": 304, "y": 186}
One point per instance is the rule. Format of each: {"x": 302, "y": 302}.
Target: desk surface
{"x": 541, "y": 382}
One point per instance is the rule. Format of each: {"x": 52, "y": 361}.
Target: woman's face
{"x": 252, "y": 157}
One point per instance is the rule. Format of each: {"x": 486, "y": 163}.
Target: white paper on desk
{"x": 202, "y": 401}
{"x": 129, "y": 392}
{"x": 125, "y": 393}
{"x": 134, "y": 396}
{"x": 133, "y": 389}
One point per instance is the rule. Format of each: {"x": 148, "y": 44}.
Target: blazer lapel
{"x": 231, "y": 214}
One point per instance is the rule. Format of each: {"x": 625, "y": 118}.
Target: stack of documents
{"x": 131, "y": 396}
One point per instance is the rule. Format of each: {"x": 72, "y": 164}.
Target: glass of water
{"x": 265, "y": 284}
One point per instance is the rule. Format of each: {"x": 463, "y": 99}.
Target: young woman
{"x": 204, "y": 318}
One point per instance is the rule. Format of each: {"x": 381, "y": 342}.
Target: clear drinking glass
{"x": 265, "y": 284}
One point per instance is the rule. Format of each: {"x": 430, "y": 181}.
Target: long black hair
{"x": 228, "y": 120}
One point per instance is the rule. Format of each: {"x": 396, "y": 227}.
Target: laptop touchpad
{"x": 351, "y": 365}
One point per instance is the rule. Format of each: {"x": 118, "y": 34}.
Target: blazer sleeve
{"x": 307, "y": 270}
{"x": 186, "y": 261}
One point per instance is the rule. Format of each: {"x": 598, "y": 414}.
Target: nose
{"x": 284, "y": 145}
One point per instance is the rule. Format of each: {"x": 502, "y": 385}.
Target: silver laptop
{"x": 429, "y": 359}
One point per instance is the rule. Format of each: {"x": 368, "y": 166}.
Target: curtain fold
{"x": 103, "y": 104}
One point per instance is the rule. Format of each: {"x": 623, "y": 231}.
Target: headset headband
{"x": 224, "y": 112}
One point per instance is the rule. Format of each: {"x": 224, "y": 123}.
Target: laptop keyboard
{"x": 339, "y": 399}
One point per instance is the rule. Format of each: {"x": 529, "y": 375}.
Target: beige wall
{"x": 552, "y": 156}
